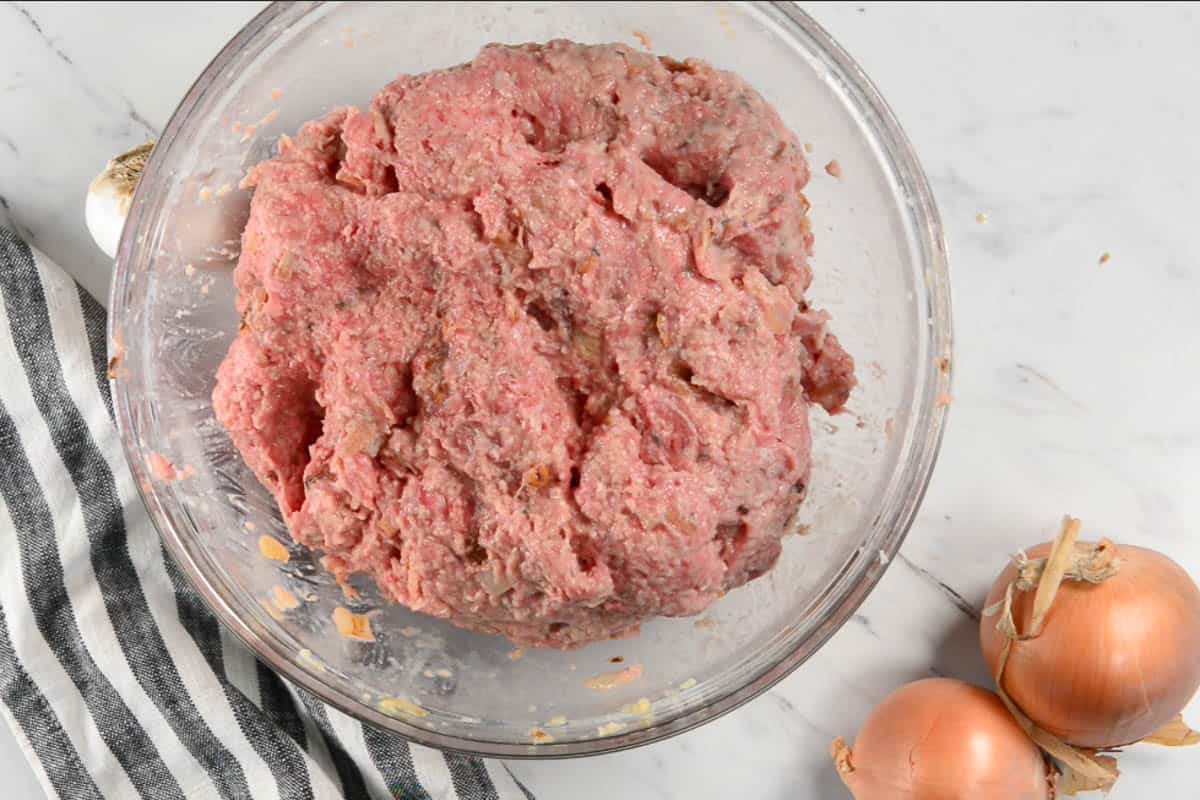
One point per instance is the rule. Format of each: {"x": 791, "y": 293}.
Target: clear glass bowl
{"x": 880, "y": 267}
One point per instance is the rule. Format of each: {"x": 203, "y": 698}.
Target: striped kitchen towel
{"x": 115, "y": 678}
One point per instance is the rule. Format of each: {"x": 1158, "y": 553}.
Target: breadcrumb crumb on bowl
{"x": 882, "y": 276}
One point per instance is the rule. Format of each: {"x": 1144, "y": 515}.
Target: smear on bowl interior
{"x": 527, "y": 340}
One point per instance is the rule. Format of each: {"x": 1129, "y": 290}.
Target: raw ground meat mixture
{"x": 527, "y": 341}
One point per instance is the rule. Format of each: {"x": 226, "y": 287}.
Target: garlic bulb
{"x": 110, "y": 195}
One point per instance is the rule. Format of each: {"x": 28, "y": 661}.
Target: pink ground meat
{"x": 527, "y": 341}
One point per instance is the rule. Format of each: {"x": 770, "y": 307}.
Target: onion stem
{"x": 1061, "y": 555}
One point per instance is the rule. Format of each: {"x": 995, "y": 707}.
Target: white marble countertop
{"x": 1071, "y": 128}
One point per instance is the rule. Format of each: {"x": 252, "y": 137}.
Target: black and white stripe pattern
{"x": 114, "y": 676}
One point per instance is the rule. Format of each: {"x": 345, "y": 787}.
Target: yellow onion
{"x": 942, "y": 739}
{"x": 1115, "y": 660}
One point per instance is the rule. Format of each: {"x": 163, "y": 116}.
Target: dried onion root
{"x": 1094, "y": 646}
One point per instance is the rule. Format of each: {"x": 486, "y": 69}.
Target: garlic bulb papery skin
{"x": 110, "y": 195}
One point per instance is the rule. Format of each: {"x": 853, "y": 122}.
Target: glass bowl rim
{"x": 842, "y": 596}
